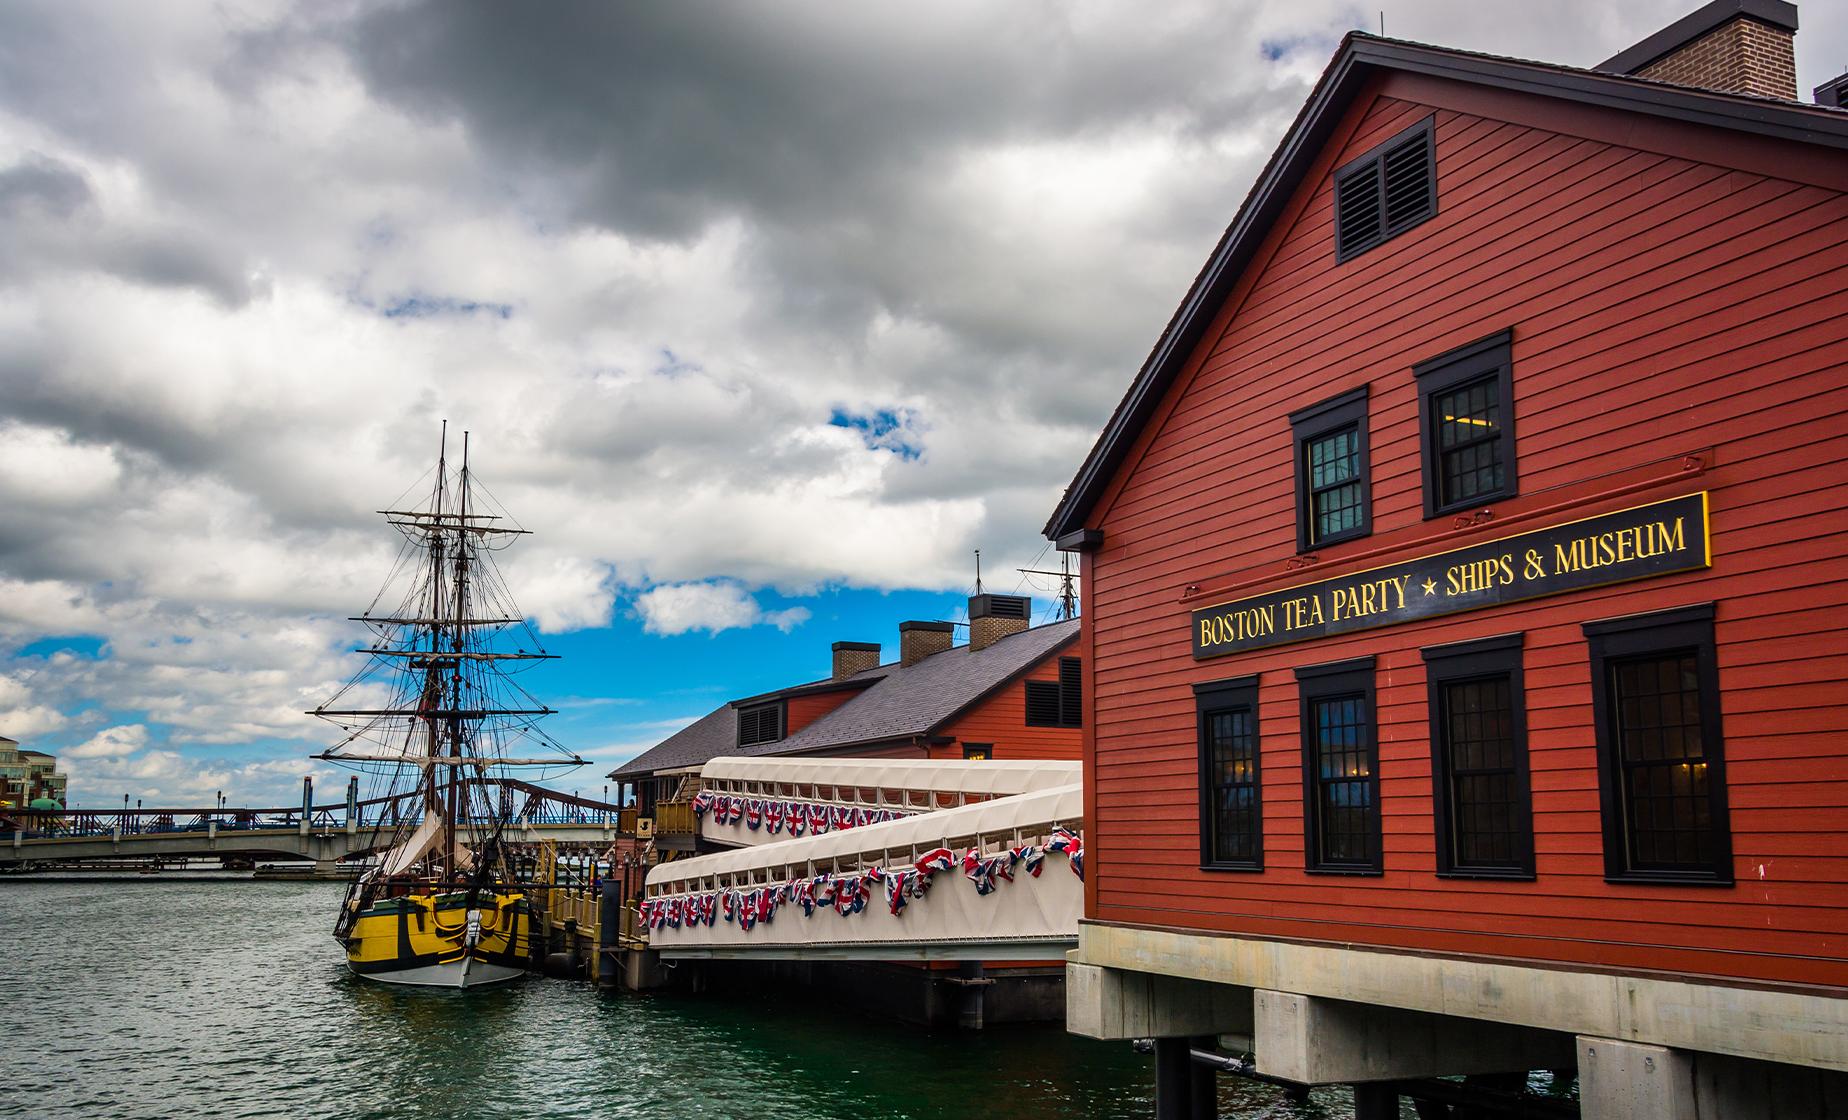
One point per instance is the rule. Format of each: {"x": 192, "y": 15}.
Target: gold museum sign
{"x": 1652, "y": 540}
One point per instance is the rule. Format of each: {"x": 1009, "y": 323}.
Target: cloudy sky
{"x": 763, "y": 317}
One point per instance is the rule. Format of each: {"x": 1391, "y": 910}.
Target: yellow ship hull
{"x": 438, "y": 941}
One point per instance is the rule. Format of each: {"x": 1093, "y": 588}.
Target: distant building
{"x": 1012, "y": 692}
{"x": 28, "y": 775}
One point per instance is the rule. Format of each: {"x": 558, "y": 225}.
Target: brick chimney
{"x": 993, "y": 617}
{"x": 1733, "y": 46}
{"x": 918, "y": 640}
{"x": 854, "y": 657}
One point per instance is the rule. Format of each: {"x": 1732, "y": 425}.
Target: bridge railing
{"x": 540, "y": 806}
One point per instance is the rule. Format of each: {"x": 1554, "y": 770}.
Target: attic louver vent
{"x": 1042, "y": 703}
{"x": 760, "y": 724}
{"x": 1006, "y": 606}
{"x": 1385, "y": 192}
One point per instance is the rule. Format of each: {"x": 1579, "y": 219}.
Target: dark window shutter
{"x": 1071, "y": 692}
{"x": 1357, "y": 210}
{"x": 760, "y": 724}
{"x": 1409, "y": 189}
{"x": 1385, "y": 192}
{"x": 1043, "y": 703}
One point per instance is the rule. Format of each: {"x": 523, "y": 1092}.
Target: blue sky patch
{"x": 884, "y": 429}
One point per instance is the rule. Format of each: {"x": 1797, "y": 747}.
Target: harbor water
{"x": 167, "y": 997}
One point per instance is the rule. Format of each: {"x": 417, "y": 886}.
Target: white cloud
{"x": 20, "y": 717}
{"x": 111, "y": 742}
{"x": 677, "y": 608}
{"x": 175, "y": 779}
{"x": 645, "y": 262}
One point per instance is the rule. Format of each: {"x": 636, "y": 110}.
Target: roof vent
{"x": 993, "y": 617}
{"x": 1833, "y": 93}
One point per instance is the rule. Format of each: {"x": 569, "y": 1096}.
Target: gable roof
{"x": 1358, "y": 59}
{"x": 894, "y": 702}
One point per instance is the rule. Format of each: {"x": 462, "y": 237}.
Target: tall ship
{"x": 437, "y": 717}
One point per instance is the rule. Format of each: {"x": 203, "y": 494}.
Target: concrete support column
{"x": 1116, "y": 1004}
{"x": 1634, "y": 1081}
{"x": 1315, "y": 1041}
{"x": 972, "y": 1006}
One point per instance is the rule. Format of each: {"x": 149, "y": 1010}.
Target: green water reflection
{"x": 138, "y": 998}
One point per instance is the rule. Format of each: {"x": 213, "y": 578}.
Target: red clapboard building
{"x": 1010, "y": 692}
{"x": 1466, "y": 571}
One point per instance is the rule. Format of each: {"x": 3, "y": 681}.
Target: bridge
{"x": 914, "y": 860}
{"x": 324, "y": 833}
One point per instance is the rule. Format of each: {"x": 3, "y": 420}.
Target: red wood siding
{"x": 1001, "y": 719}
{"x": 1662, "y": 307}
{"x": 800, "y": 711}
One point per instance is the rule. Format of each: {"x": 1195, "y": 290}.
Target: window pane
{"x": 1337, "y": 510}
{"x": 1661, "y": 762}
{"x": 1468, "y": 425}
{"x": 1344, "y": 768}
{"x": 1334, "y": 458}
{"x": 1485, "y": 810}
{"x": 1232, "y": 755}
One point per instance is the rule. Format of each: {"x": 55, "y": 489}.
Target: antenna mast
{"x": 1068, "y": 593}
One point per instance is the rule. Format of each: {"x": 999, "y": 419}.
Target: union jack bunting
{"x": 982, "y": 870}
{"x": 798, "y": 819}
{"x": 899, "y": 885}
{"x": 753, "y": 814}
{"x": 1032, "y": 855}
{"x": 702, "y": 802}
{"x": 935, "y": 860}
{"x": 1072, "y": 844}
{"x": 818, "y": 819}
{"x": 773, "y": 816}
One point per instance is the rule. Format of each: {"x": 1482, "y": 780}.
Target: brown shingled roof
{"x": 901, "y": 702}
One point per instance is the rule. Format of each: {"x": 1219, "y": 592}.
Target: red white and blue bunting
{"x": 797, "y": 818}
{"x": 848, "y": 894}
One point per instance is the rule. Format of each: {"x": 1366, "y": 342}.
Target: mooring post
{"x": 1204, "y": 1092}
{"x": 609, "y": 935}
{"x": 1377, "y": 1100}
{"x": 1174, "y": 1078}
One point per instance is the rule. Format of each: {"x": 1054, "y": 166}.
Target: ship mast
{"x": 435, "y": 801}
{"x": 438, "y": 660}
{"x": 460, "y": 636}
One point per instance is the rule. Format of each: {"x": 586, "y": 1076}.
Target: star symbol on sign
{"x": 1430, "y": 587}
